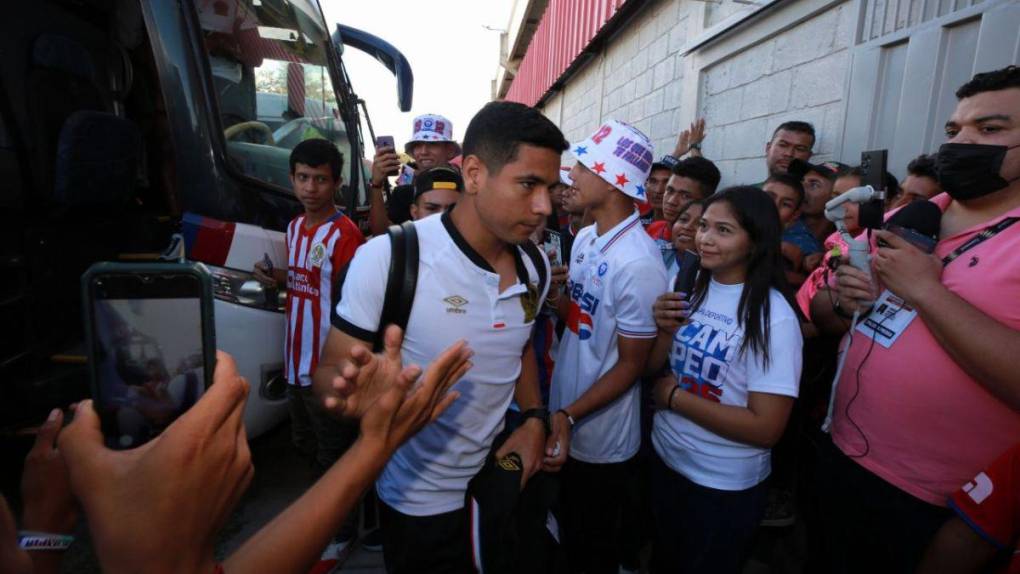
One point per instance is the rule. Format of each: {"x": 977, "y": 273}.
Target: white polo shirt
{"x": 457, "y": 298}
{"x": 614, "y": 281}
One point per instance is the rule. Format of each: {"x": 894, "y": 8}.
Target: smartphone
{"x": 689, "y": 264}
{"x": 151, "y": 345}
{"x": 553, "y": 245}
{"x": 873, "y": 168}
{"x": 918, "y": 240}
{"x": 387, "y": 141}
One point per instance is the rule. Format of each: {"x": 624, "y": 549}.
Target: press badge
{"x": 888, "y": 319}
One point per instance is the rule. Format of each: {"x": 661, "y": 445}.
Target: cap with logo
{"x": 827, "y": 169}
{"x": 440, "y": 177}
{"x": 620, "y": 154}
{"x": 430, "y": 128}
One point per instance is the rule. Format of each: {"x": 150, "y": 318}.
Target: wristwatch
{"x": 695, "y": 145}
{"x": 540, "y": 413}
{"x": 570, "y": 419}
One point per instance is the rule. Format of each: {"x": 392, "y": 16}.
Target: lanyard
{"x": 985, "y": 235}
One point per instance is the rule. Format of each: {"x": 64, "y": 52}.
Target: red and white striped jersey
{"x": 315, "y": 258}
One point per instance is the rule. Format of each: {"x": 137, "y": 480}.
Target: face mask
{"x": 970, "y": 171}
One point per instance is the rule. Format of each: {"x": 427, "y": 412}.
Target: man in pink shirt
{"x": 930, "y": 391}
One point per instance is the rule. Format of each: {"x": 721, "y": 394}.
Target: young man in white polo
{"x": 616, "y": 272}
{"x": 476, "y": 281}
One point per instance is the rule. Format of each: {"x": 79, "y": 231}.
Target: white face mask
{"x": 227, "y": 69}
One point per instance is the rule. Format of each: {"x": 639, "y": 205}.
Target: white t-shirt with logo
{"x": 457, "y": 298}
{"x": 614, "y": 280}
{"x": 707, "y": 361}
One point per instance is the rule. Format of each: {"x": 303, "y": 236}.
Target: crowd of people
{"x": 604, "y": 357}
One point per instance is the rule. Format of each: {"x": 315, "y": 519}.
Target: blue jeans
{"x": 700, "y": 529}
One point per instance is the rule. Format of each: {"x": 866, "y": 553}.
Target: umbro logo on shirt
{"x": 455, "y": 303}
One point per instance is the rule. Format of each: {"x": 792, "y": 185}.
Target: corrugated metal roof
{"x": 567, "y": 28}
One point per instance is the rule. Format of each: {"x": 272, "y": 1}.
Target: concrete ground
{"x": 280, "y": 478}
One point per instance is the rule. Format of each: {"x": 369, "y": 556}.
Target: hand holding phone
{"x": 385, "y": 142}
{"x": 151, "y": 345}
{"x": 552, "y": 243}
{"x": 263, "y": 272}
{"x": 689, "y": 264}
{"x": 386, "y": 162}
{"x": 870, "y": 215}
{"x": 186, "y": 481}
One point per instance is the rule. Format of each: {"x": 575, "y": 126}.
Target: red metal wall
{"x": 566, "y": 29}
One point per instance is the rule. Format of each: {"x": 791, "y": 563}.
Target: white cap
{"x": 432, "y": 128}
{"x": 620, "y": 154}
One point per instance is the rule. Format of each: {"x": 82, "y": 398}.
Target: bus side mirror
{"x": 385, "y": 53}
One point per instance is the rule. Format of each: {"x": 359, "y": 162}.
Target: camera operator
{"x": 930, "y": 391}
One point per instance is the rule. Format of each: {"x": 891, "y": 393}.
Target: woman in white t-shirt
{"x": 734, "y": 361}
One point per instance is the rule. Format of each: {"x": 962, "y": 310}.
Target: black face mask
{"x": 970, "y": 171}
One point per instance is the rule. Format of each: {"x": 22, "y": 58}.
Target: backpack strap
{"x": 531, "y": 249}
{"x": 402, "y": 281}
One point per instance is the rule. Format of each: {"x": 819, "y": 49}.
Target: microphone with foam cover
{"x": 918, "y": 222}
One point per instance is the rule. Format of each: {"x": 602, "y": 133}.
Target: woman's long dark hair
{"x": 756, "y": 213}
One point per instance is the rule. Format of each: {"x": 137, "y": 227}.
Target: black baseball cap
{"x": 827, "y": 169}
{"x": 439, "y": 177}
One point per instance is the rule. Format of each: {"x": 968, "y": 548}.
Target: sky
{"x": 453, "y": 57}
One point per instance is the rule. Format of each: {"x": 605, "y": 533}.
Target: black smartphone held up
{"x": 923, "y": 242}
{"x": 151, "y": 345}
{"x": 690, "y": 264}
{"x": 873, "y": 168}
{"x": 387, "y": 141}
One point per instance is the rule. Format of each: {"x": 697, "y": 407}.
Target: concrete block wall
{"x": 799, "y": 74}
{"x": 637, "y": 79}
{"x": 642, "y": 77}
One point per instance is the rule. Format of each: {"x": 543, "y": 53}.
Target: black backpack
{"x": 402, "y": 280}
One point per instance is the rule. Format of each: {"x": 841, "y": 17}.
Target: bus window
{"x": 272, "y": 82}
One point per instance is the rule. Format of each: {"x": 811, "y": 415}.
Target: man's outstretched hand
{"x": 354, "y": 385}
{"x": 406, "y": 403}
{"x": 157, "y": 508}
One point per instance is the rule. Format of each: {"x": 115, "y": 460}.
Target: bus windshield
{"x": 270, "y": 71}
